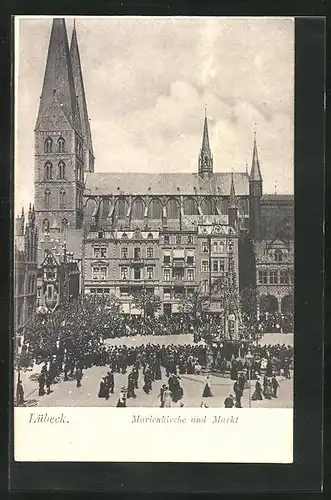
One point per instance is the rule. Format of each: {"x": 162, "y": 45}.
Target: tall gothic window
{"x": 46, "y": 226}
{"x": 60, "y": 145}
{"x": 64, "y": 225}
{"x": 48, "y": 145}
{"x": 47, "y": 199}
{"x": 62, "y": 170}
{"x": 48, "y": 170}
{"x": 63, "y": 198}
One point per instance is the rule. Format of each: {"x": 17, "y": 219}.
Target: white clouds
{"x": 147, "y": 82}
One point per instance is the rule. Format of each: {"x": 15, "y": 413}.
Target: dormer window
{"x": 100, "y": 234}
{"x": 48, "y": 145}
{"x": 150, "y": 236}
{"x": 278, "y": 255}
{"x": 124, "y": 236}
{"x": 60, "y": 145}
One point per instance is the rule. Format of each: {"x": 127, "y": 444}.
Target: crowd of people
{"x": 276, "y": 323}
{"x": 153, "y": 362}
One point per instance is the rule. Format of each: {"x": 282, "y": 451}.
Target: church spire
{"x": 255, "y": 174}
{"x": 232, "y": 200}
{"x": 58, "y": 87}
{"x": 205, "y": 157}
{"x": 80, "y": 92}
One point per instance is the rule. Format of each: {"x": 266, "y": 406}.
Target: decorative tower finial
{"x": 205, "y": 157}
{"x": 255, "y": 174}
{"x": 232, "y": 210}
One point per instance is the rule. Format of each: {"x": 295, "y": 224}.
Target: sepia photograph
{"x": 154, "y": 213}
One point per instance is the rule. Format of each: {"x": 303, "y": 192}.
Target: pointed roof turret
{"x": 58, "y": 87}
{"x": 232, "y": 200}
{"x": 255, "y": 174}
{"x": 80, "y": 91}
{"x": 205, "y": 157}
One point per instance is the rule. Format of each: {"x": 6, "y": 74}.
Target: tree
{"x": 248, "y": 304}
{"x": 193, "y": 305}
{"x": 147, "y": 302}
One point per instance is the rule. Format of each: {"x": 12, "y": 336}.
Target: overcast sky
{"x": 147, "y": 82}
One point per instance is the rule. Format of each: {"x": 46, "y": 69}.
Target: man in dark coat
{"x": 238, "y": 392}
{"x": 19, "y": 393}
{"x": 48, "y": 381}
{"x": 274, "y": 385}
{"x": 110, "y": 381}
{"x": 41, "y": 382}
{"x": 131, "y": 393}
{"x": 79, "y": 376}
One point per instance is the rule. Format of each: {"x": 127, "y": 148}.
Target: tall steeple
{"x": 80, "y": 92}
{"x": 205, "y": 157}
{"x": 255, "y": 174}
{"x": 58, "y": 88}
{"x": 255, "y": 193}
{"x": 232, "y": 210}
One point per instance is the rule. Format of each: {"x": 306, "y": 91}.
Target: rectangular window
{"x": 178, "y": 239}
{"x": 96, "y": 252}
{"x": 137, "y": 273}
{"x": 291, "y": 273}
{"x": 150, "y": 273}
{"x": 96, "y": 273}
{"x": 284, "y": 277}
{"x": 137, "y": 253}
{"x": 190, "y": 259}
{"x": 124, "y": 292}
{"x": 166, "y": 274}
{"x": 190, "y": 275}
{"x": 103, "y": 252}
{"x": 124, "y": 253}
{"x": 124, "y": 273}
{"x": 215, "y": 266}
{"x": 50, "y": 291}
{"x": 103, "y": 273}
{"x": 263, "y": 277}
{"x": 190, "y": 239}
{"x": 166, "y": 239}
{"x": 204, "y": 266}
{"x": 150, "y": 252}
{"x": 99, "y": 290}
{"x": 273, "y": 277}
{"x": 204, "y": 246}
{"x": 106, "y": 290}
{"x": 92, "y": 290}
{"x": 166, "y": 259}
{"x": 205, "y": 286}
{"x": 222, "y": 265}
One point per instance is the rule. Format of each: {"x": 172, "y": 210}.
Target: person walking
{"x": 19, "y": 393}
{"x": 79, "y": 376}
{"x": 48, "y": 381}
{"x": 167, "y": 396}
{"x": 207, "y": 391}
{"x": 161, "y": 395}
{"x": 41, "y": 383}
{"x": 121, "y": 403}
{"x": 257, "y": 395}
{"x": 275, "y": 385}
{"x": 238, "y": 393}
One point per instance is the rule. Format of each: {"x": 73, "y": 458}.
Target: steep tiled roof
{"x": 177, "y": 183}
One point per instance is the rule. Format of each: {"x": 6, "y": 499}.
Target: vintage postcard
{"x": 154, "y": 239}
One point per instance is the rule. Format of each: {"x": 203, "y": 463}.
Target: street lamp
{"x": 249, "y": 361}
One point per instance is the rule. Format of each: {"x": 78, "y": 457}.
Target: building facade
{"x": 25, "y": 270}
{"x": 167, "y": 233}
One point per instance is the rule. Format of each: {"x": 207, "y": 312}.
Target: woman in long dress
{"x": 207, "y": 391}
{"x": 167, "y": 397}
{"x": 257, "y": 396}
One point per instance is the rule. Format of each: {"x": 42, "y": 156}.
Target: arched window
{"x": 60, "y": 145}
{"x": 47, "y": 198}
{"x": 191, "y": 207}
{"x": 48, "y": 145}
{"x": 138, "y": 209}
{"x": 63, "y": 198}
{"x": 46, "y": 226}
{"x": 62, "y": 170}
{"x": 124, "y": 236}
{"x": 150, "y": 236}
{"x": 64, "y": 225}
{"x": 48, "y": 170}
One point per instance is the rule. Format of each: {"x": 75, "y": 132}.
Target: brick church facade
{"x": 169, "y": 233}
